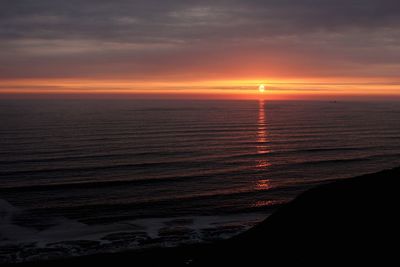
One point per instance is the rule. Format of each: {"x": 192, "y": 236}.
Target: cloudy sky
{"x": 293, "y": 46}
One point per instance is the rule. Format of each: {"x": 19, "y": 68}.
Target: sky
{"x": 297, "y": 48}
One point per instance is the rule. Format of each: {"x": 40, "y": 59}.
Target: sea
{"x": 81, "y": 176}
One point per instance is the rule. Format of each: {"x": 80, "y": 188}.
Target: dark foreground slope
{"x": 347, "y": 221}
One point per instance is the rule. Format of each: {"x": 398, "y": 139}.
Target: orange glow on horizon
{"x": 231, "y": 89}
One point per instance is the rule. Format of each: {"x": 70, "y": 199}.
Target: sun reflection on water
{"x": 262, "y": 148}
{"x": 268, "y": 203}
{"x": 263, "y": 184}
{"x": 262, "y": 136}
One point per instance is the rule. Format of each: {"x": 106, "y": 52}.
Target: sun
{"x": 261, "y": 88}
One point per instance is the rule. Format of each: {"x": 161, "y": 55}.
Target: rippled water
{"x": 96, "y": 175}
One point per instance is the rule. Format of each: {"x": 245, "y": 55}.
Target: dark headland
{"x": 346, "y": 221}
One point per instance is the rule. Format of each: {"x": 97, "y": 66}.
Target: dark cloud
{"x": 156, "y": 20}
{"x": 98, "y": 37}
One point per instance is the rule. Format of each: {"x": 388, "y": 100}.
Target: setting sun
{"x": 198, "y": 132}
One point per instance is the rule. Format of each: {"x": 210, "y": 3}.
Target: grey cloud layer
{"x": 136, "y": 20}
{"x": 132, "y": 33}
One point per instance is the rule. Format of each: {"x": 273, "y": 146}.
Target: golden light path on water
{"x": 262, "y": 147}
{"x": 262, "y": 135}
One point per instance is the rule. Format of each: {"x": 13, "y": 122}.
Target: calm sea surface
{"x": 88, "y": 176}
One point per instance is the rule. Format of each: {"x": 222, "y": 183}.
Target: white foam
{"x": 65, "y": 230}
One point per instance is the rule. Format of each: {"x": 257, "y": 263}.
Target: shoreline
{"x": 346, "y": 220}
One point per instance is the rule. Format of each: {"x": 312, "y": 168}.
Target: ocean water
{"x": 89, "y": 176}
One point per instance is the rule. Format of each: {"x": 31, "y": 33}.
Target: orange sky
{"x": 205, "y": 49}
{"x": 220, "y": 89}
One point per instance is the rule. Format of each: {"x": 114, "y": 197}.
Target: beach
{"x": 351, "y": 220}
{"x": 198, "y": 133}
